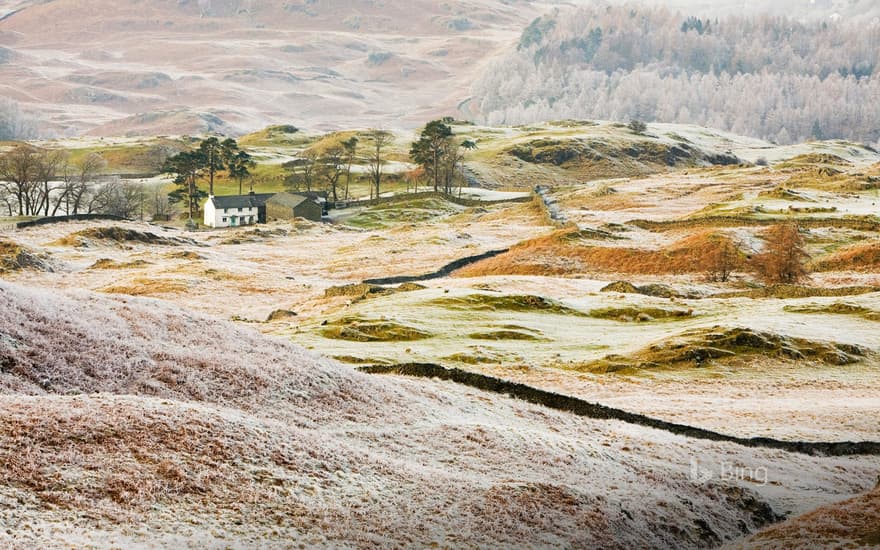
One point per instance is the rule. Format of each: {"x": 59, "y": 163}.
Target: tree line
{"x": 46, "y": 182}
{"x": 775, "y": 78}
{"x": 327, "y": 165}
{"x": 37, "y": 181}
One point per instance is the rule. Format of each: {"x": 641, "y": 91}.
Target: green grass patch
{"x": 131, "y": 159}
{"x": 283, "y": 135}
{"x": 403, "y": 212}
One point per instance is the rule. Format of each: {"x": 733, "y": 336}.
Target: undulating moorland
{"x": 175, "y": 403}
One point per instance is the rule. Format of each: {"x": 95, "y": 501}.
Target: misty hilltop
{"x": 117, "y": 67}
{"x": 232, "y": 66}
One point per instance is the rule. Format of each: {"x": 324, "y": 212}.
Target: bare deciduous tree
{"x": 331, "y": 166}
{"x": 18, "y": 170}
{"x": 79, "y": 179}
{"x": 125, "y": 199}
{"x": 301, "y": 171}
{"x": 350, "y": 146}
{"x": 159, "y": 206}
{"x": 48, "y": 165}
{"x": 379, "y": 141}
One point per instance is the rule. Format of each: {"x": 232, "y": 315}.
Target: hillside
{"x": 781, "y": 78}
{"x": 303, "y": 450}
{"x": 158, "y": 67}
{"x": 167, "y": 67}
{"x": 853, "y": 523}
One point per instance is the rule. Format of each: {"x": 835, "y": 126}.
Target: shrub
{"x": 377, "y": 58}
{"x": 637, "y": 126}
{"x": 722, "y": 260}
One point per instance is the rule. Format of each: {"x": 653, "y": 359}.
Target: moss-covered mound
{"x": 119, "y": 235}
{"x": 358, "y": 290}
{"x": 363, "y": 330}
{"x": 655, "y": 290}
{"x": 503, "y": 335}
{"x": 561, "y": 152}
{"x": 814, "y": 159}
{"x": 798, "y": 291}
{"x": 107, "y": 263}
{"x": 489, "y": 302}
{"x": 640, "y": 315}
{"x": 836, "y": 309}
{"x": 184, "y": 255}
{"x": 254, "y": 236}
{"x": 364, "y": 290}
{"x": 703, "y": 346}
{"x": 14, "y": 257}
{"x": 613, "y": 158}
{"x": 281, "y": 315}
{"x": 470, "y": 359}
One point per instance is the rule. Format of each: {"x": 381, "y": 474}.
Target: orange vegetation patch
{"x": 854, "y": 523}
{"x": 862, "y": 257}
{"x": 563, "y": 253}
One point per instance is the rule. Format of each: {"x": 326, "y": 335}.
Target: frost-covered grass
{"x": 190, "y": 429}
{"x": 418, "y": 452}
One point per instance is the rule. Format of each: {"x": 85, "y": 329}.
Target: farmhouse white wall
{"x": 217, "y": 217}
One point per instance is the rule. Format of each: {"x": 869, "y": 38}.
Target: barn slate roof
{"x": 288, "y": 200}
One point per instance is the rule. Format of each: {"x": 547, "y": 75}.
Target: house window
{"x": 224, "y": 220}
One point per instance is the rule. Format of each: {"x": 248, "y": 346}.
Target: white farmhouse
{"x": 235, "y": 210}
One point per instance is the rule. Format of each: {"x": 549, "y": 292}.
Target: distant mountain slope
{"x": 798, "y": 9}
{"x": 189, "y": 66}
{"x": 127, "y": 66}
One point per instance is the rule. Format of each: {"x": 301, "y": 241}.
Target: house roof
{"x": 241, "y": 201}
{"x": 288, "y": 200}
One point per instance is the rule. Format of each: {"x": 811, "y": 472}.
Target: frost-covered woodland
{"x": 773, "y": 77}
